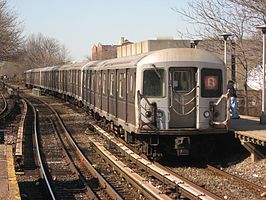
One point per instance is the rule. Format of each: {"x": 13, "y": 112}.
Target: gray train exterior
{"x": 172, "y": 93}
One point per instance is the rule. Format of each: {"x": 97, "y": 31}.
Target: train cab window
{"x": 211, "y": 83}
{"x": 182, "y": 81}
{"x": 154, "y": 83}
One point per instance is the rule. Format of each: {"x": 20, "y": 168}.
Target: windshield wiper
{"x": 157, "y": 72}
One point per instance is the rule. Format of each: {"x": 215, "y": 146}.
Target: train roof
{"x": 123, "y": 61}
{"x": 48, "y": 68}
{"x": 190, "y": 55}
{"x": 74, "y": 65}
{"x": 181, "y": 55}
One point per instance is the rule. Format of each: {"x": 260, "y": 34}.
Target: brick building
{"x": 103, "y": 52}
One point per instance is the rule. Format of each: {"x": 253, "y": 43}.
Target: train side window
{"x": 112, "y": 84}
{"x": 98, "y": 86}
{"x": 211, "y": 83}
{"x": 122, "y": 78}
{"x": 92, "y": 82}
{"x": 84, "y": 79}
{"x": 131, "y": 83}
{"x": 104, "y": 82}
{"x": 88, "y": 80}
{"x": 154, "y": 83}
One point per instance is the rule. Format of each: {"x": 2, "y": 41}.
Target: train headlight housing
{"x": 216, "y": 114}
{"x": 148, "y": 114}
{"x": 206, "y": 114}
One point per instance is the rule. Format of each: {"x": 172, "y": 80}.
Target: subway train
{"x": 166, "y": 102}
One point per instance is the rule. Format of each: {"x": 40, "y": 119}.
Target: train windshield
{"x": 182, "y": 81}
{"x": 211, "y": 82}
{"x": 154, "y": 83}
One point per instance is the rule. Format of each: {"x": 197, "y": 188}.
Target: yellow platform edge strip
{"x": 12, "y": 180}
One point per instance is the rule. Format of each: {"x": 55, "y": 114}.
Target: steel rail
{"x": 89, "y": 192}
{"x": 5, "y": 104}
{"x": 135, "y": 179}
{"x": 109, "y": 189}
{"x": 231, "y": 176}
{"x": 20, "y": 135}
{"x": 185, "y": 187}
{"x": 35, "y": 113}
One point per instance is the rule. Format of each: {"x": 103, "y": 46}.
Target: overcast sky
{"x": 79, "y": 24}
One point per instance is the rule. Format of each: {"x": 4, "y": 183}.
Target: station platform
{"x": 9, "y": 187}
{"x": 251, "y": 133}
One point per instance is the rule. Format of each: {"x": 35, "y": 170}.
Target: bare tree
{"x": 41, "y": 51}
{"x": 10, "y": 33}
{"x": 257, "y": 8}
{"x": 214, "y": 17}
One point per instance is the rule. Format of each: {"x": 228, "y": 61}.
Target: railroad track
{"x": 75, "y": 124}
{"x": 4, "y": 105}
{"x": 178, "y": 187}
{"x": 242, "y": 181}
{"x": 9, "y": 107}
{"x": 67, "y": 177}
{"x": 223, "y": 193}
{"x": 219, "y": 182}
{"x": 29, "y": 175}
{"x": 19, "y": 158}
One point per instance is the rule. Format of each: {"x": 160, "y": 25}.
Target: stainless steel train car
{"x": 171, "y": 101}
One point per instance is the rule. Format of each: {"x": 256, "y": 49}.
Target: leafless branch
{"x": 11, "y": 38}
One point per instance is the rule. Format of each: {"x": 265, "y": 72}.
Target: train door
{"x": 88, "y": 84}
{"x": 83, "y": 84}
{"x": 98, "y": 89}
{"x": 112, "y": 93}
{"x": 92, "y": 93}
{"x": 182, "y": 96}
{"x": 78, "y": 93}
{"x": 131, "y": 87}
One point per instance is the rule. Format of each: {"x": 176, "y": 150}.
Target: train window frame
{"x": 162, "y": 86}
{"x": 104, "y": 82}
{"x": 122, "y": 78}
{"x": 92, "y": 81}
{"x": 217, "y": 75}
{"x": 189, "y": 78}
{"x": 131, "y": 83}
{"x": 112, "y": 84}
{"x": 88, "y": 80}
{"x": 99, "y": 81}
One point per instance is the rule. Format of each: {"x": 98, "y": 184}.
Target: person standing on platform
{"x": 233, "y": 99}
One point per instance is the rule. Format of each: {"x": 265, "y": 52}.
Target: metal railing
{"x": 182, "y": 103}
{"x": 212, "y": 109}
{"x": 147, "y": 115}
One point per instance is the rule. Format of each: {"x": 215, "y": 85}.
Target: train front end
{"x": 182, "y": 100}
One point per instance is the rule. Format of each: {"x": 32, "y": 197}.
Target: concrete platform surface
{"x": 8, "y": 184}
{"x": 248, "y": 126}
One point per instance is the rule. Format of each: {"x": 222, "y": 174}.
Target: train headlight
{"x": 206, "y": 114}
{"x": 159, "y": 113}
{"x": 148, "y": 113}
